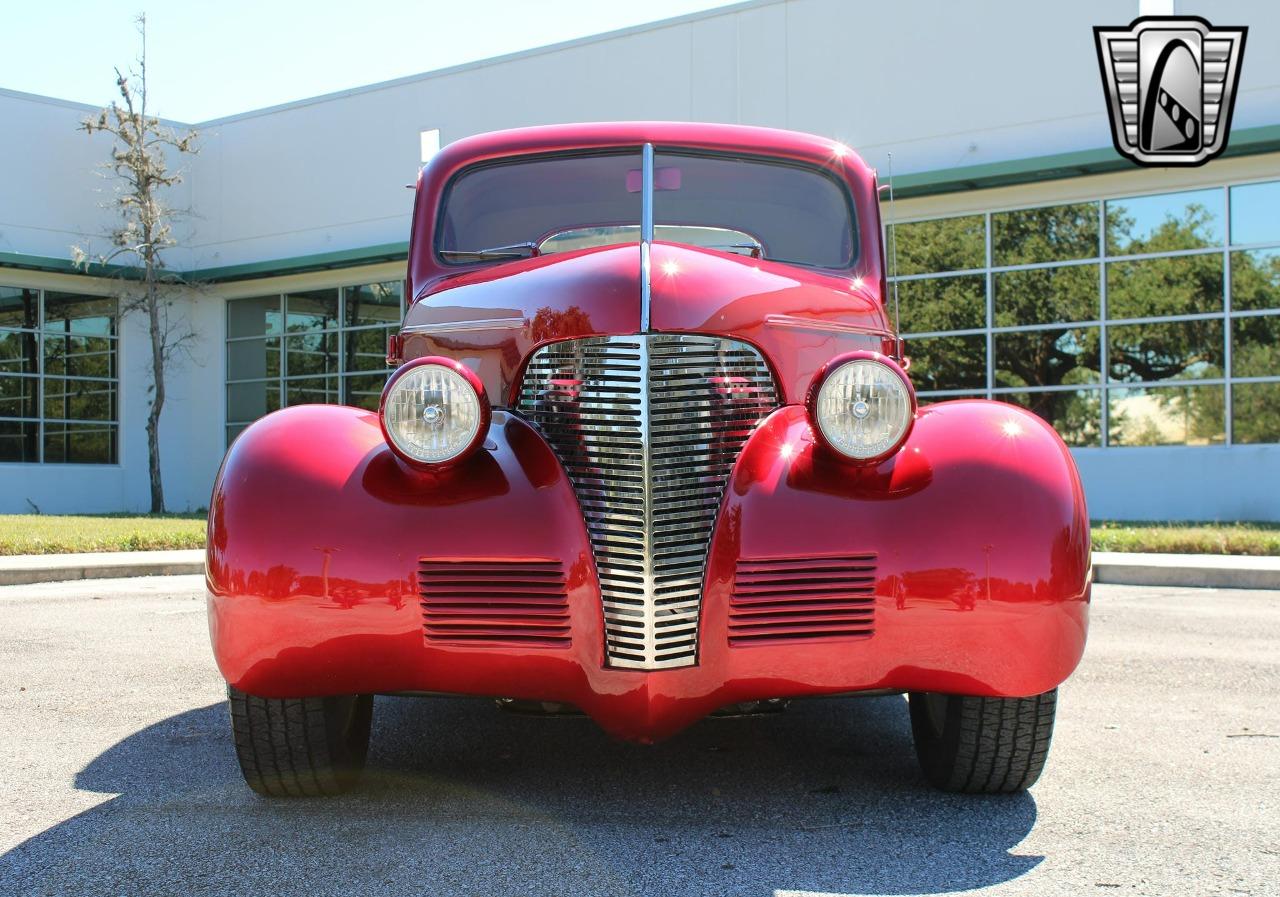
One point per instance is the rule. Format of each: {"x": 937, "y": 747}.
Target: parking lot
{"x": 117, "y": 777}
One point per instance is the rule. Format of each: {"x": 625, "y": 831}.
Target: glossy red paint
{"x": 811, "y": 401}
{"x": 976, "y": 528}
{"x": 495, "y": 317}
{"x": 466, "y": 374}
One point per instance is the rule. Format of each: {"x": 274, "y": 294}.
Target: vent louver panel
{"x": 648, "y": 429}
{"x": 499, "y": 602}
{"x": 788, "y": 599}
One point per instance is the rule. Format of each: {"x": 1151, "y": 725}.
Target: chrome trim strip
{"x": 781, "y": 320}
{"x": 457, "y": 326}
{"x": 646, "y": 231}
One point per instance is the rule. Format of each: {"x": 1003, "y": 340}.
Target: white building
{"x": 988, "y": 110}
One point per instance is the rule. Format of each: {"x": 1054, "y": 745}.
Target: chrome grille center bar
{"x": 648, "y": 428}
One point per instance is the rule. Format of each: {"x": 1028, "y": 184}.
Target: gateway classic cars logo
{"x": 1170, "y": 85}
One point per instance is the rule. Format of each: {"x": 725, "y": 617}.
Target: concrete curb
{"x": 25, "y": 569}
{"x": 1111, "y": 567}
{"x": 1217, "y": 571}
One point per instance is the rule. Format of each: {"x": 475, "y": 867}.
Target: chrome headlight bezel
{"x": 465, "y": 386}
{"x": 889, "y": 374}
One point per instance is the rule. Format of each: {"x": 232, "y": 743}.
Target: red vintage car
{"x": 650, "y": 453}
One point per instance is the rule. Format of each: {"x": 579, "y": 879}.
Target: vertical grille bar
{"x": 648, "y": 429}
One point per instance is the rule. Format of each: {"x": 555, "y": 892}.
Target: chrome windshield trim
{"x": 646, "y": 231}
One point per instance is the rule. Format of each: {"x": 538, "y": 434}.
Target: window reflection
{"x": 334, "y": 349}
{"x": 372, "y": 304}
{"x": 1046, "y": 234}
{"x": 19, "y": 352}
{"x": 943, "y": 303}
{"x": 1183, "y": 350}
{"x": 1146, "y": 355}
{"x": 1048, "y": 357}
{"x": 1255, "y": 346}
{"x": 1255, "y": 279}
{"x": 1255, "y": 412}
{"x": 19, "y": 308}
{"x": 1047, "y": 295}
{"x": 1164, "y": 223}
{"x": 939, "y": 245}
{"x": 948, "y": 362}
{"x": 1253, "y": 213}
{"x": 58, "y": 377}
{"x": 73, "y": 313}
{"x": 253, "y": 317}
{"x": 19, "y": 441}
{"x": 1183, "y": 285}
{"x": 312, "y": 310}
{"x": 1188, "y": 415}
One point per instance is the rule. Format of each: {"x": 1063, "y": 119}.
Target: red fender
{"x": 981, "y": 542}
{"x": 978, "y": 528}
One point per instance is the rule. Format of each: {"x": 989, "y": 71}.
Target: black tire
{"x": 300, "y": 747}
{"x": 982, "y": 745}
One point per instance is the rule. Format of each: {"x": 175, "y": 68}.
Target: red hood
{"x": 493, "y": 318}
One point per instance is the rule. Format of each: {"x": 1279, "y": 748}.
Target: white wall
{"x": 1240, "y": 482}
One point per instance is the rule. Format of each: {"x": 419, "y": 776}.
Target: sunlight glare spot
{"x": 1012, "y": 429}
{"x": 671, "y": 267}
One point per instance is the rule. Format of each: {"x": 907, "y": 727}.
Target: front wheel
{"x": 300, "y": 747}
{"x": 982, "y": 745}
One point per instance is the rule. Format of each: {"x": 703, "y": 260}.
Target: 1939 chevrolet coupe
{"x": 650, "y": 452}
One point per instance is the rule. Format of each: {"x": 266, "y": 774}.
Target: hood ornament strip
{"x": 646, "y": 232}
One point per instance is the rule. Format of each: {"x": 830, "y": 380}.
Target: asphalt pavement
{"x": 117, "y": 777}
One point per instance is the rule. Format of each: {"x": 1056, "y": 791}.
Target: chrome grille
{"x": 648, "y": 428}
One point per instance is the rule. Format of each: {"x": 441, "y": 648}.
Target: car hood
{"x": 492, "y": 319}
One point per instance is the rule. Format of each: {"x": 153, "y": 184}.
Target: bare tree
{"x": 139, "y": 165}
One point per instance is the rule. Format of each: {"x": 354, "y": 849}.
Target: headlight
{"x": 862, "y": 405}
{"x": 434, "y": 411}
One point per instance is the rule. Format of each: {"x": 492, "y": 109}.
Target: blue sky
{"x": 209, "y": 59}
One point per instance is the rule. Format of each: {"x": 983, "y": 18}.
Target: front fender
{"x": 979, "y": 533}
{"x": 316, "y": 530}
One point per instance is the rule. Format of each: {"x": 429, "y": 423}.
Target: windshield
{"x": 768, "y": 209}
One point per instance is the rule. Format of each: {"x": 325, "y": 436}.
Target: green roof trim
{"x": 1245, "y": 142}
{"x": 342, "y": 258}
{"x": 61, "y": 266}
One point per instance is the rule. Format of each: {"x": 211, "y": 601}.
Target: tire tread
{"x": 286, "y": 746}
{"x": 993, "y": 746}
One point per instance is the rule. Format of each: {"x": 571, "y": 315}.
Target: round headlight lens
{"x": 432, "y": 413}
{"x": 863, "y": 409}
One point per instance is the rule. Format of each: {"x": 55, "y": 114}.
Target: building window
{"x": 325, "y": 346}
{"x": 59, "y": 380}
{"x": 1145, "y": 320}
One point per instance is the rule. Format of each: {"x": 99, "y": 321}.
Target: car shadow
{"x": 461, "y": 798}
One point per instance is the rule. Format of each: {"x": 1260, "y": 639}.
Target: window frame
{"x": 41, "y": 376}
{"x": 342, "y": 377}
